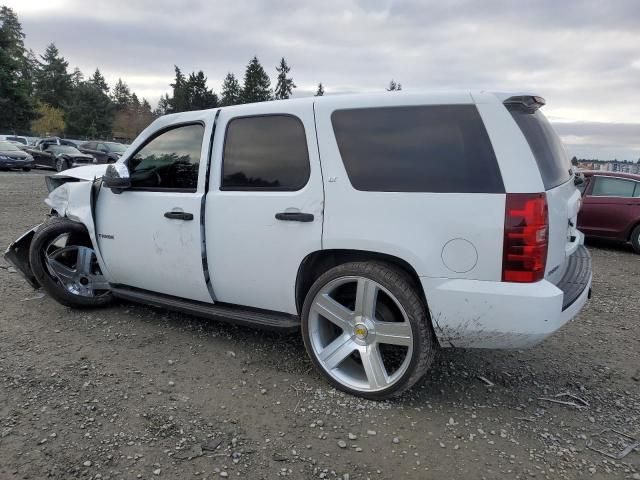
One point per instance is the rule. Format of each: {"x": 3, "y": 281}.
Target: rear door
{"x": 611, "y": 206}
{"x": 563, "y": 198}
{"x": 264, "y": 207}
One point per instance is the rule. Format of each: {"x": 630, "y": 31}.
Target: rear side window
{"x": 614, "y": 187}
{"x": 265, "y": 153}
{"x": 439, "y": 148}
{"x": 552, "y": 160}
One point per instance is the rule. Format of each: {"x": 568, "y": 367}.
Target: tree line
{"x": 41, "y": 96}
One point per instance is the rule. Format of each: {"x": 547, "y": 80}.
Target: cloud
{"x": 582, "y": 56}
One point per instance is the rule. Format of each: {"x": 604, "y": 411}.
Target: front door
{"x": 264, "y": 208}
{"x": 149, "y": 235}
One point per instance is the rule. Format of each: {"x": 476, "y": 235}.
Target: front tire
{"x": 367, "y": 330}
{"x": 635, "y": 239}
{"x": 64, "y": 263}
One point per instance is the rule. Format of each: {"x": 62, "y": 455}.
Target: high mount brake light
{"x": 531, "y": 102}
{"x": 526, "y": 234}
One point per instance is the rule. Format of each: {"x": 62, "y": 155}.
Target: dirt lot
{"x": 135, "y": 392}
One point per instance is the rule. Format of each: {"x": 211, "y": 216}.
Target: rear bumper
{"x": 480, "y": 314}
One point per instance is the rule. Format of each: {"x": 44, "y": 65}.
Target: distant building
{"x": 623, "y": 166}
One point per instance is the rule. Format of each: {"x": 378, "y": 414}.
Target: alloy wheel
{"x": 360, "y": 334}
{"x": 75, "y": 267}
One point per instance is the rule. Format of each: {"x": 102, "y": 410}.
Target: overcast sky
{"x": 582, "y": 56}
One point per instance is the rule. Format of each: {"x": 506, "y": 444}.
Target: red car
{"x": 611, "y": 206}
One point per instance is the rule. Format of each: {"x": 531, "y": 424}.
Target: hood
{"x": 85, "y": 173}
{"x": 15, "y": 154}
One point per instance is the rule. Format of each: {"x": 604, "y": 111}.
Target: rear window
{"x": 439, "y": 148}
{"x": 552, "y": 160}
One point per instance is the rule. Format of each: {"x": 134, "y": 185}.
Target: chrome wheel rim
{"x": 360, "y": 334}
{"x": 75, "y": 268}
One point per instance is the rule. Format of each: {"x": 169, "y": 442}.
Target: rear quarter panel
{"x": 413, "y": 226}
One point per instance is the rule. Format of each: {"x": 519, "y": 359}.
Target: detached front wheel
{"x": 64, "y": 263}
{"x": 367, "y": 330}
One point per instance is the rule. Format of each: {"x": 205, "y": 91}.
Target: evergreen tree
{"x": 121, "y": 95}
{"x": 89, "y": 112}
{"x": 394, "y": 87}
{"x": 53, "y": 82}
{"x": 320, "y": 91}
{"x": 164, "y": 106}
{"x": 231, "y": 91}
{"x": 200, "y": 97}
{"x": 76, "y": 77}
{"x": 99, "y": 82}
{"x": 16, "y": 104}
{"x": 257, "y": 86}
{"x": 180, "y": 100}
{"x": 284, "y": 85}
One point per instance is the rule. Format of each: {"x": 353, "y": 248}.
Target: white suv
{"x": 383, "y": 225}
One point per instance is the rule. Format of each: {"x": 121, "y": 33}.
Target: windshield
{"x": 116, "y": 147}
{"x": 63, "y": 149}
{"x": 8, "y": 147}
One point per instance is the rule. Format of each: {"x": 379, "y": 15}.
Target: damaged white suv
{"x": 382, "y": 226}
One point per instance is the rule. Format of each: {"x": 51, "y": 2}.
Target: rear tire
{"x": 64, "y": 263}
{"x": 366, "y": 329}
{"x": 635, "y": 239}
{"x": 26, "y": 169}
{"x": 61, "y": 165}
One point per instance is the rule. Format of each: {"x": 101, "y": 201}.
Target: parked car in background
{"x": 13, "y": 157}
{"x": 103, "y": 152}
{"x": 15, "y": 138}
{"x": 611, "y": 206}
{"x": 54, "y": 141}
{"x": 60, "y": 157}
{"x": 379, "y": 226}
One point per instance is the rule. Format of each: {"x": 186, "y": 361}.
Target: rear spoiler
{"x": 531, "y": 102}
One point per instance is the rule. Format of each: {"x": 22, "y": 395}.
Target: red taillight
{"x": 526, "y": 233}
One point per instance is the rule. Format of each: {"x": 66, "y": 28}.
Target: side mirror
{"x": 578, "y": 179}
{"x": 117, "y": 177}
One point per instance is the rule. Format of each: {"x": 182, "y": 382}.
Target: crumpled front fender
{"x": 76, "y": 201}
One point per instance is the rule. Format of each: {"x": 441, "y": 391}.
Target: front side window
{"x": 435, "y": 148}
{"x": 265, "y": 153}
{"x": 613, "y": 187}
{"x": 169, "y": 161}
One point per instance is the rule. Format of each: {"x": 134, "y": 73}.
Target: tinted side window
{"x": 170, "y": 160}
{"x": 265, "y": 153}
{"x": 552, "y": 160}
{"x": 613, "y": 187}
{"x": 440, "y": 148}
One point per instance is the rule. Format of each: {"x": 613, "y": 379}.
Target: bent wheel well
{"x": 321, "y": 261}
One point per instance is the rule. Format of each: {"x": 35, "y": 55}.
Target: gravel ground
{"x": 135, "y": 392}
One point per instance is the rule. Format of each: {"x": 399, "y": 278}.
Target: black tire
{"x": 398, "y": 283}
{"x": 46, "y": 234}
{"x": 61, "y": 165}
{"x": 26, "y": 169}
{"x": 635, "y": 239}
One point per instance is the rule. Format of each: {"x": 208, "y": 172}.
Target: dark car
{"x": 611, "y": 207}
{"x": 13, "y": 157}
{"x": 54, "y": 141}
{"x": 104, "y": 152}
{"x": 58, "y": 156}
